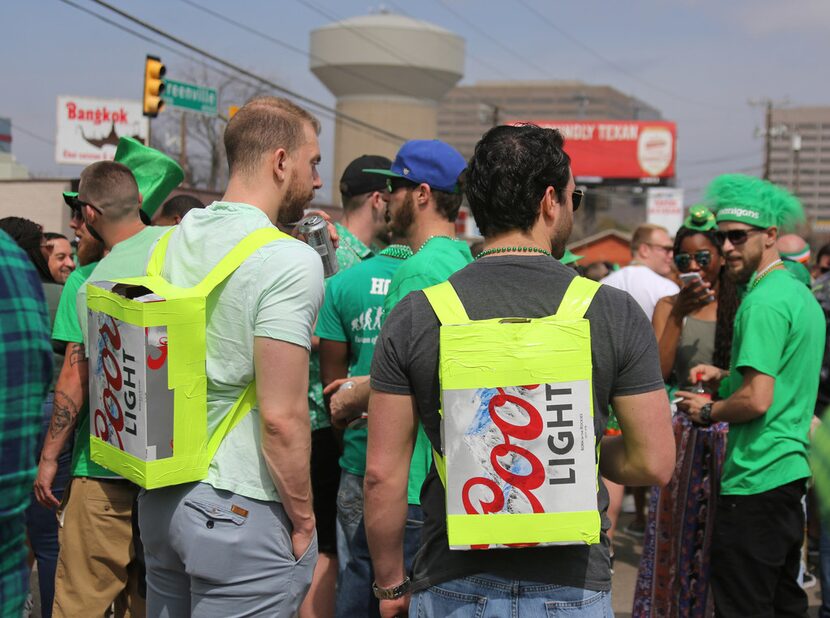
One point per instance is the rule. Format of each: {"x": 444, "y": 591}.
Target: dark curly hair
{"x": 510, "y": 170}
{"x": 728, "y": 299}
{"x": 29, "y": 236}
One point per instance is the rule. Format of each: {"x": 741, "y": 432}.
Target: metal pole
{"x": 183, "y": 143}
{"x": 768, "y": 144}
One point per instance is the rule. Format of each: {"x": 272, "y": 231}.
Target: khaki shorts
{"x": 97, "y": 568}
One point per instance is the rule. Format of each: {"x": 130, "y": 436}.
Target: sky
{"x": 697, "y": 61}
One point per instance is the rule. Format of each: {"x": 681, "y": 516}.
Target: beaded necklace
{"x": 764, "y": 273}
{"x": 433, "y": 237}
{"x": 400, "y": 252}
{"x": 497, "y": 250}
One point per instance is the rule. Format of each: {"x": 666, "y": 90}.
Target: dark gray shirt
{"x": 625, "y": 362}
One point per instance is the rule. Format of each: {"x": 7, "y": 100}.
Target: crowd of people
{"x": 431, "y": 431}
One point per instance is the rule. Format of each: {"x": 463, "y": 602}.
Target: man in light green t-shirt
{"x": 242, "y": 541}
{"x": 768, "y": 395}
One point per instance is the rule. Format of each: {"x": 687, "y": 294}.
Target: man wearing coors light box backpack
{"x": 513, "y": 506}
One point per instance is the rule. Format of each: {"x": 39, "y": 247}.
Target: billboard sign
{"x": 665, "y": 207}
{"x": 88, "y": 129}
{"x": 618, "y": 149}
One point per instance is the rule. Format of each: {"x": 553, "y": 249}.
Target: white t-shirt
{"x": 645, "y": 285}
{"x": 275, "y": 293}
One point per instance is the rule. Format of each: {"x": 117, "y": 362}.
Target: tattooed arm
{"x": 70, "y": 396}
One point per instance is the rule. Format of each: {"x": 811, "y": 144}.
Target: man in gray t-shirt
{"x": 523, "y": 222}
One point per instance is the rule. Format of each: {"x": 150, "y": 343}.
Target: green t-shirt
{"x": 68, "y": 328}
{"x": 437, "y": 259}
{"x": 779, "y": 331}
{"x": 350, "y": 251}
{"x": 352, "y": 313}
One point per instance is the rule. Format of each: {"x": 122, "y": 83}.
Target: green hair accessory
{"x": 756, "y": 202}
{"x": 700, "y": 219}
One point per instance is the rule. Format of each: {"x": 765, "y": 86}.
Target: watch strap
{"x": 395, "y": 592}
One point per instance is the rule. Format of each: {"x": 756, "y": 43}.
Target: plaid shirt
{"x": 25, "y": 374}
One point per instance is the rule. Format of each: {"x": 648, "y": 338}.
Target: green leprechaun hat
{"x": 155, "y": 173}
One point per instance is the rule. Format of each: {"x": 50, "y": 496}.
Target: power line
{"x": 32, "y": 134}
{"x": 288, "y": 46}
{"x": 388, "y": 135}
{"x": 545, "y": 72}
{"x": 619, "y": 68}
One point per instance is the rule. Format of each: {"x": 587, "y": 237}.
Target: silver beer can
{"x": 316, "y": 232}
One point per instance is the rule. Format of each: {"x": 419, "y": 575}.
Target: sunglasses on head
{"x": 736, "y": 237}
{"x": 684, "y": 260}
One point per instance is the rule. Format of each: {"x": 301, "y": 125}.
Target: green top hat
{"x": 155, "y": 173}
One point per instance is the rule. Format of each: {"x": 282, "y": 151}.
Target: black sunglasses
{"x": 393, "y": 184}
{"x": 736, "y": 237}
{"x": 78, "y": 206}
{"x": 683, "y": 260}
{"x": 576, "y": 198}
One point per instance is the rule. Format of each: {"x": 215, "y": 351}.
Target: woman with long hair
{"x": 694, "y": 326}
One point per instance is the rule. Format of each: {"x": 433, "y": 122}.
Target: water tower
{"x": 389, "y": 71}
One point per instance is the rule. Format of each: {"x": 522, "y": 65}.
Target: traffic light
{"x": 153, "y": 86}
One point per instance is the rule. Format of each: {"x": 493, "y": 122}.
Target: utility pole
{"x": 183, "y": 143}
{"x": 769, "y": 131}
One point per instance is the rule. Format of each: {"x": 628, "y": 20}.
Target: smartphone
{"x": 690, "y": 278}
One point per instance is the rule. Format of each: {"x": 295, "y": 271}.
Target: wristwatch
{"x": 706, "y": 413}
{"x": 395, "y": 592}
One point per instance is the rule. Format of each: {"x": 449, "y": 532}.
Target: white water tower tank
{"x": 389, "y": 71}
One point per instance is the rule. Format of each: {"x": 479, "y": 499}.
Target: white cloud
{"x": 765, "y": 17}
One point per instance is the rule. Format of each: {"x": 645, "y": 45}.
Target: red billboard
{"x": 622, "y": 149}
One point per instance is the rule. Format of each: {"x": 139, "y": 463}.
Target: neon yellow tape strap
{"x": 156, "y": 263}
{"x": 440, "y": 466}
{"x": 243, "y": 405}
{"x": 577, "y": 298}
{"x": 446, "y": 304}
{"x": 236, "y": 256}
{"x": 501, "y": 528}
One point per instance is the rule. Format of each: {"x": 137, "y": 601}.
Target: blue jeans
{"x": 42, "y": 524}
{"x": 349, "y": 518}
{"x": 354, "y": 592}
{"x": 489, "y": 596}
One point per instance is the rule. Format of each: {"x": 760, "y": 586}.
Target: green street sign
{"x": 190, "y": 97}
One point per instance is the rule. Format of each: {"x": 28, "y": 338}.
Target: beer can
{"x": 316, "y": 232}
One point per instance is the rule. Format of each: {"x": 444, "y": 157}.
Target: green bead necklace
{"x": 496, "y": 250}
{"x": 400, "y": 252}
{"x": 432, "y": 238}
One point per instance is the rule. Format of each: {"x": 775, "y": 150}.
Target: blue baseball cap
{"x": 427, "y": 160}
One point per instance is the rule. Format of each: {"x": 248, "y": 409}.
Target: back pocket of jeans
{"x": 594, "y": 605}
{"x": 436, "y": 601}
{"x": 213, "y": 512}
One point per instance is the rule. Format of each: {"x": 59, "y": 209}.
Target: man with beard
{"x": 242, "y": 541}
{"x": 98, "y": 565}
{"x": 522, "y": 194}
{"x": 767, "y": 397}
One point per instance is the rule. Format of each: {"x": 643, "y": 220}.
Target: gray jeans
{"x": 213, "y": 553}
